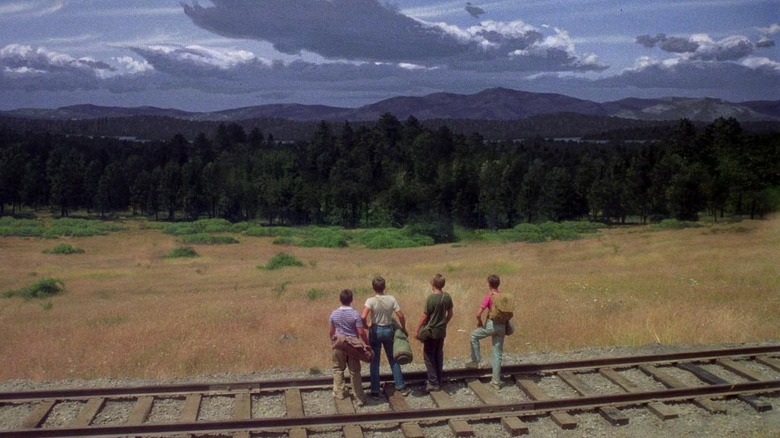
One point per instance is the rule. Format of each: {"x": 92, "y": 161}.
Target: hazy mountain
{"x": 490, "y": 104}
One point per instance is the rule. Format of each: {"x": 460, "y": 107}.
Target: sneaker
{"x": 432, "y": 388}
{"x": 360, "y": 403}
{"x": 374, "y": 395}
{"x": 496, "y": 385}
{"x": 406, "y": 390}
{"x": 472, "y": 365}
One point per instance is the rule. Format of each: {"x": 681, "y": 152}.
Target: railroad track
{"x": 703, "y": 378}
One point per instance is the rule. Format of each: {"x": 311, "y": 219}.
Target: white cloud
{"x": 771, "y": 30}
{"x": 30, "y": 8}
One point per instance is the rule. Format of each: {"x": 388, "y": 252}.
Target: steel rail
{"x": 320, "y": 382}
{"x": 535, "y": 408}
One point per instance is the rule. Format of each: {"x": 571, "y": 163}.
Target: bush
{"x": 281, "y": 260}
{"x": 324, "y": 237}
{"x": 260, "y": 231}
{"x": 64, "y": 248}
{"x": 315, "y": 294}
{"x": 80, "y": 228}
{"x": 20, "y": 227}
{"x": 207, "y": 239}
{"x": 43, "y": 288}
{"x": 441, "y": 231}
{"x": 674, "y": 224}
{"x": 182, "y": 252}
{"x": 387, "y": 238}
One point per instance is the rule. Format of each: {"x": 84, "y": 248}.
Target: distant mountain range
{"x": 491, "y": 104}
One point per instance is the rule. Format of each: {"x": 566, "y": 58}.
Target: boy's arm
{"x": 402, "y": 321}
{"x": 362, "y": 334}
{"x": 423, "y": 320}
{"x": 449, "y": 316}
{"x": 479, "y": 316}
{"x": 364, "y": 316}
{"x": 332, "y": 331}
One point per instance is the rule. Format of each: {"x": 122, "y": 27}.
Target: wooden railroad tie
{"x": 512, "y": 424}
{"x": 535, "y": 392}
{"x": 294, "y": 402}
{"x": 399, "y": 403}
{"x": 663, "y": 411}
{"x": 612, "y": 414}
{"x": 671, "y": 382}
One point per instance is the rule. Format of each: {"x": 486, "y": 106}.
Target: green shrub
{"x": 182, "y": 252}
{"x": 43, "y": 288}
{"x": 80, "y": 228}
{"x": 20, "y": 227}
{"x": 324, "y": 237}
{"x": 286, "y": 240}
{"x": 440, "y": 230}
{"x": 315, "y": 294}
{"x": 64, "y": 248}
{"x": 207, "y": 239}
{"x": 674, "y": 224}
{"x": 260, "y": 231}
{"x": 387, "y": 238}
{"x": 281, "y": 260}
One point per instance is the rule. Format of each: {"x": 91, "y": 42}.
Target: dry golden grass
{"x": 128, "y": 311}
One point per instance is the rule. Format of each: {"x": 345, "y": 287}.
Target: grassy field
{"x": 129, "y": 309}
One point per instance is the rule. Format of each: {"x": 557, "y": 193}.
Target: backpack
{"x": 503, "y": 308}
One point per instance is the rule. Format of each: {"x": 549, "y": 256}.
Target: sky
{"x": 209, "y": 55}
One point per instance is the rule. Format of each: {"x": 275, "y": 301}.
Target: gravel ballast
{"x": 739, "y": 420}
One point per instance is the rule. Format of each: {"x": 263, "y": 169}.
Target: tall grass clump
{"x": 182, "y": 252}
{"x": 43, "y": 288}
{"x": 20, "y": 227}
{"x": 281, "y": 260}
{"x": 388, "y": 238}
{"x": 314, "y": 294}
{"x": 80, "y": 228}
{"x": 207, "y": 239}
{"x": 64, "y": 248}
{"x": 199, "y": 226}
{"x": 440, "y": 230}
{"x": 539, "y": 233}
{"x": 674, "y": 224}
{"x": 324, "y": 237}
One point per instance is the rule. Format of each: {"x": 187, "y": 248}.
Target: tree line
{"x": 392, "y": 173}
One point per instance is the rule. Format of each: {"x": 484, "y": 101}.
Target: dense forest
{"x": 392, "y": 173}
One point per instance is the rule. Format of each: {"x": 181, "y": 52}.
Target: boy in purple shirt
{"x": 346, "y": 321}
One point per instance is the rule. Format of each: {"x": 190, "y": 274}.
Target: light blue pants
{"x": 496, "y": 332}
{"x": 382, "y": 337}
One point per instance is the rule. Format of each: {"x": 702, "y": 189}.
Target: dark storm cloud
{"x": 474, "y": 11}
{"x": 701, "y": 46}
{"x": 765, "y": 43}
{"x": 699, "y": 75}
{"x": 650, "y": 41}
{"x": 34, "y": 68}
{"x": 365, "y": 30}
{"x": 343, "y": 29}
{"x": 678, "y": 45}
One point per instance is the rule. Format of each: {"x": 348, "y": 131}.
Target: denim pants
{"x": 383, "y": 336}
{"x": 496, "y": 332}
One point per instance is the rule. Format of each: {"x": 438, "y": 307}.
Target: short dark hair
{"x": 378, "y": 283}
{"x": 346, "y": 297}
{"x": 438, "y": 281}
{"x": 493, "y": 281}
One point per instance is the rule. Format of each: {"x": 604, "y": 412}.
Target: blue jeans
{"x": 496, "y": 331}
{"x": 378, "y": 337}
